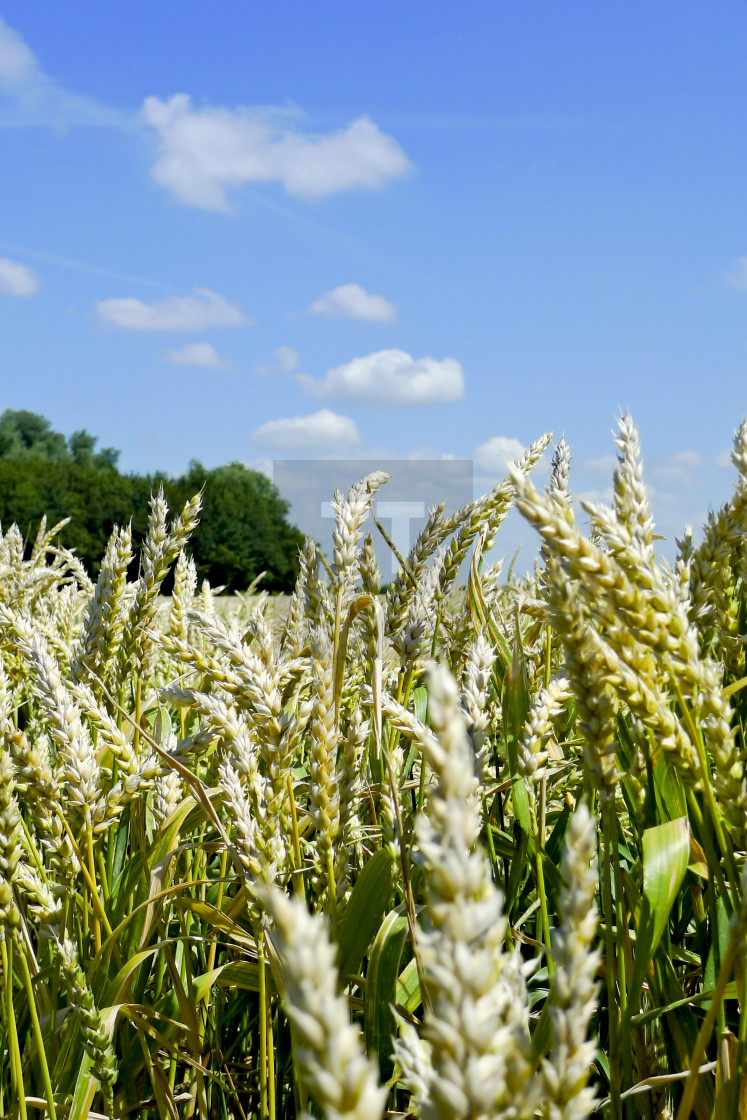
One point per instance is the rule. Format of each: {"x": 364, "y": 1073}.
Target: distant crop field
{"x": 430, "y": 851}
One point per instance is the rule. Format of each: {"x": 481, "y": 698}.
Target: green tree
{"x": 26, "y": 433}
{"x": 82, "y": 449}
{"x": 244, "y": 528}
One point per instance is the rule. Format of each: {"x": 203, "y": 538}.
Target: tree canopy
{"x": 243, "y": 530}
{"x": 25, "y": 435}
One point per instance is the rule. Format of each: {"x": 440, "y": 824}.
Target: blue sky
{"x": 257, "y": 231}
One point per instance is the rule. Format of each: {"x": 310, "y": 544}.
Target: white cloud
{"x": 201, "y": 354}
{"x": 29, "y": 97}
{"x": 261, "y": 464}
{"x": 677, "y": 470}
{"x": 686, "y": 459}
{"x": 351, "y": 301}
{"x": 738, "y": 278}
{"x": 598, "y": 497}
{"x": 391, "y": 378}
{"x": 427, "y": 453}
{"x": 198, "y": 312}
{"x": 16, "y": 279}
{"x": 286, "y": 360}
{"x": 605, "y": 464}
{"x": 495, "y": 455}
{"x": 723, "y": 459}
{"x": 18, "y": 66}
{"x": 322, "y": 431}
{"x": 202, "y": 152}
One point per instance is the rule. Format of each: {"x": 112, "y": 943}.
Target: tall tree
{"x": 244, "y": 529}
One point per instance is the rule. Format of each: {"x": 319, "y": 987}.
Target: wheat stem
{"x": 608, "y": 839}
{"x": 38, "y": 1037}
{"x": 16, "y": 1066}
{"x": 262, "y": 1027}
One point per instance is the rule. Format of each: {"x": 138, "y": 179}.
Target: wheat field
{"x": 406, "y": 853}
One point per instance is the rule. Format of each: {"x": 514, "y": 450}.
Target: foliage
{"x": 26, "y": 435}
{"x": 244, "y": 529}
{"x": 438, "y": 853}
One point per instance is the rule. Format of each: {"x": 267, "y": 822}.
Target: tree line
{"x": 244, "y": 527}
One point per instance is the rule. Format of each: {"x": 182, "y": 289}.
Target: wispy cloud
{"x": 605, "y": 465}
{"x": 201, "y": 354}
{"x": 286, "y": 360}
{"x": 390, "y": 379}
{"x": 471, "y": 122}
{"x": 351, "y": 301}
{"x": 199, "y": 312}
{"x": 429, "y": 452}
{"x": 29, "y": 97}
{"x": 324, "y": 431}
{"x": 738, "y": 276}
{"x": 204, "y": 152}
{"x": 82, "y": 266}
{"x": 16, "y": 279}
{"x": 494, "y": 456}
{"x": 679, "y": 469}
{"x": 596, "y": 496}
